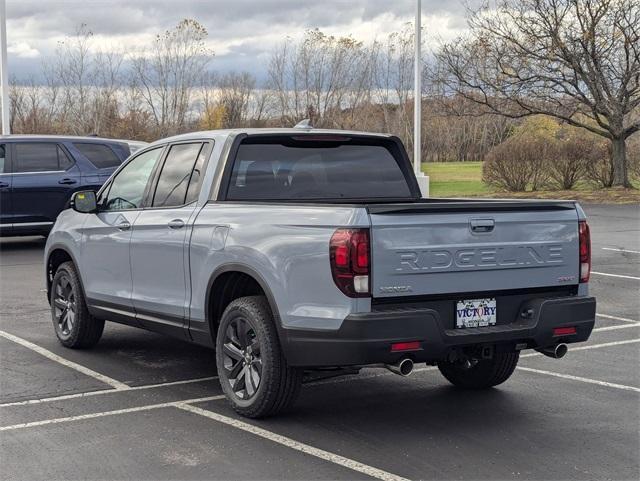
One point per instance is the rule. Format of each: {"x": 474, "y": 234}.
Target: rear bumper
{"x": 367, "y": 338}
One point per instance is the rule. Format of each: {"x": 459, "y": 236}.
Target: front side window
{"x": 100, "y": 155}
{"x": 176, "y": 172}
{"x": 126, "y": 190}
{"x": 40, "y": 157}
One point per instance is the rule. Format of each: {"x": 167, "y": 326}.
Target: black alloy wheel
{"x": 64, "y": 306}
{"x": 241, "y": 357}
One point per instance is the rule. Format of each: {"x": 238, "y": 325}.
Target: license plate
{"x": 476, "y": 313}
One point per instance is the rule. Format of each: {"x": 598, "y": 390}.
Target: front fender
{"x": 65, "y": 235}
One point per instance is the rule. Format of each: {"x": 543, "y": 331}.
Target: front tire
{"x": 482, "y": 373}
{"x": 252, "y": 369}
{"x": 74, "y": 326}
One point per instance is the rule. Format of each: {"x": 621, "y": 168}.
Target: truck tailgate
{"x": 446, "y": 248}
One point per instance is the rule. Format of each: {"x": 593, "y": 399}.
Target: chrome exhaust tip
{"x": 555, "y": 352}
{"x": 404, "y": 367}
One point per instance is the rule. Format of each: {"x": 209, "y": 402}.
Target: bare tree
{"x": 232, "y": 100}
{"x": 169, "y": 71}
{"x": 319, "y": 77}
{"x": 72, "y": 70}
{"x": 394, "y": 83}
{"x": 576, "y": 60}
{"x": 17, "y": 102}
{"x": 236, "y": 90}
{"x": 107, "y": 75}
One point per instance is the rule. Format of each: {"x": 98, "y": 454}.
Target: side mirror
{"x": 84, "y": 202}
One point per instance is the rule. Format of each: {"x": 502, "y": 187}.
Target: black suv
{"x": 38, "y": 175}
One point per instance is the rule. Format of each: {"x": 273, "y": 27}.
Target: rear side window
{"x": 175, "y": 175}
{"x": 291, "y": 169}
{"x": 64, "y": 162}
{"x": 198, "y": 174}
{"x": 40, "y": 157}
{"x": 99, "y": 155}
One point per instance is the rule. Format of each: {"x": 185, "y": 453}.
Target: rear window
{"x": 291, "y": 169}
{"x": 99, "y": 155}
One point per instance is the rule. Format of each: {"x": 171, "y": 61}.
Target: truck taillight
{"x": 349, "y": 255}
{"x": 585, "y": 250}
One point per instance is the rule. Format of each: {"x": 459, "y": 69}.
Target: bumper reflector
{"x": 405, "y": 346}
{"x": 563, "y": 331}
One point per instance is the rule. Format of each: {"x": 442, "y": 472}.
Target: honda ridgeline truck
{"x": 310, "y": 252}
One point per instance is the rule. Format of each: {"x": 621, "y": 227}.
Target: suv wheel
{"x": 253, "y": 372}
{"x": 482, "y": 373}
{"x": 74, "y": 326}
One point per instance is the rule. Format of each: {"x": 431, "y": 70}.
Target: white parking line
{"x": 615, "y": 318}
{"x": 575, "y": 378}
{"x": 81, "y": 417}
{"x": 65, "y": 362}
{"x": 615, "y": 275}
{"x": 104, "y": 391}
{"x": 243, "y": 426}
{"x": 581, "y": 379}
{"x": 296, "y": 445}
{"x": 615, "y": 328}
{"x": 619, "y": 250}
{"x": 592, "y": 346}
{"x": 606, "y": 344}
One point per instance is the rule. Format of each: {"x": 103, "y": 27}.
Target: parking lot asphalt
{"x": 143, "y": 406}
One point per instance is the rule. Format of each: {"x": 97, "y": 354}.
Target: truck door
{"x": 159, "y": 242}
{"x": 105, "y": 254}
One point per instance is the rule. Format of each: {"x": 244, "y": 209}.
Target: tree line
{"x": 574, "y": 61}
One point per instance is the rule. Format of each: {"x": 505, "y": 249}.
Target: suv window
{"x": 175, "y": 175}
{"x": 290, "y": 169}
{"x": 3, "y": 157}
{"x": 198, "y": 174}
{"x": 100, "y": 155}
{"x": 126, "y": 190}
{"x": 40, "y": 157}
{"x": 64, "y": 162}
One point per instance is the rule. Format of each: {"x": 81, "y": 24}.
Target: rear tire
{"x": 74, "y": 326}
{"x": 252, "y": 369}
{"x": 485, "y": 373}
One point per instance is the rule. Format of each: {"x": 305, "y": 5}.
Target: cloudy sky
{"x": 241, "y": 32}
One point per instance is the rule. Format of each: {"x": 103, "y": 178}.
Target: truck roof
{"x": 206, "y": 134}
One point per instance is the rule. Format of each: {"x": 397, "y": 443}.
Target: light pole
{"x": 4, "y": 76}
{"x": 423, "y": 180}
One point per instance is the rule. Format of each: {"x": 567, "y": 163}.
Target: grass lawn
{"x": 464, "y": 179}
{"x": 455, "y": 179}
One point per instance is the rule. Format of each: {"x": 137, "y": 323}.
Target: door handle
{"x": 482, "y": 225}
{"x": 4, "y": 184}
{"x": 176, "y": 224}
{"x": 124, "y": 225}
{"x": 67, "y": 181}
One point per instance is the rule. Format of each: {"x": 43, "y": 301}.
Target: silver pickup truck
{"x": 309, "y": 253}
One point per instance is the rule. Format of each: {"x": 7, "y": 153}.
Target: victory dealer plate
{"x": 476, "y": 313}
